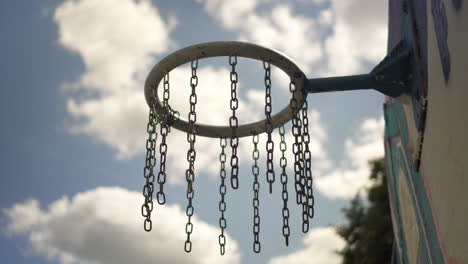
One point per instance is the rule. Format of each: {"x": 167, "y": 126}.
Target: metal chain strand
{"x": 256, "y": 202}
{"x": 222, "y": 192}
{"x": 307, "y": 161}
{"x": 299, "y": 179}
{"x": 148, "y": 171}
{"x": 191, "y": 155}
{"x": 295, "y": 128}
{"x": 164, "y": 130}
{"x": 270, "y": 145}
{"x": 303, "y": 181}
{"x": 234, "y": 123}
{"x": 284, "y": 182}
{"x": 301, "y": 157}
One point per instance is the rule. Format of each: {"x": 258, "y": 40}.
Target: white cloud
{"x": 359, "y": 36}
{"x": 104, "y": 225}
{"x": 321, "y": 245}
{"x": 353, "y": 173}
{"x": 326, "y": 17}
{"x": 117, "y": 119}
{"x": 115, "y": 41}
{"x": 359, "y": 33}
{"x": 296, "y": 36}
{"x": 280, "y": 29}
{"x": 230, "y": 12}
{"x": 319, "y": 2}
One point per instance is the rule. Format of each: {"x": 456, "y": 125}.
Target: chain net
{"x": 301, "y": 169}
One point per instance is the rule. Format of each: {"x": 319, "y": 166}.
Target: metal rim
{"x": 226, "y": 48}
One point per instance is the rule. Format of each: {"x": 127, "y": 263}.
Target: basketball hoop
{"x": 389, "y": 77}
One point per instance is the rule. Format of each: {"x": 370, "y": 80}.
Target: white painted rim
{"x": 226, "y": 48}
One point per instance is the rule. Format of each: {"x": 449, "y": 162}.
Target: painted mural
{"x": 425, "y": 135}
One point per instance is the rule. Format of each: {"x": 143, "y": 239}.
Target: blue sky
{"x": 73, "y": 126}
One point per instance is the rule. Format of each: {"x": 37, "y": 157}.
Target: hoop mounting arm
{"x": 390, "y": 76}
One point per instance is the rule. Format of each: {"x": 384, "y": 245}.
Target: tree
{"x": 368, "y": 231}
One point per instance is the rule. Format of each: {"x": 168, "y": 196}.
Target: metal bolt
{"x": 379, "y": 77}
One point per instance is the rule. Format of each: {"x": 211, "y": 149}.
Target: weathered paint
{"x": 429, "y": 202}
{"x": 402, "y": 172}
{"x": 441, "y": 28}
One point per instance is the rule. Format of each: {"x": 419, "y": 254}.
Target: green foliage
{"x": 368, "y": 231}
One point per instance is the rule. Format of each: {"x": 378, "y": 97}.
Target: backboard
{"x": 425, "y": 135}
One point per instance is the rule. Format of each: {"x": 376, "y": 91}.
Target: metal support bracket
{"x": 390, "y": 76}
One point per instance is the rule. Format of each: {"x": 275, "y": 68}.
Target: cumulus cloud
{"x": 359, "y": 32}
{"x": 280, "y": 28}
{"x": 296, "y": 36}
{"x": 326, "y": 17}
{"x": 229, "y": 12}
{"x": 321, "y": 245}
{"x": 103, "y": 226}
{"x": 117, "y": 119}
{"x": 352, "y": 174}
{"x": 115, "y": 42}
{"x": 359, "y": 36}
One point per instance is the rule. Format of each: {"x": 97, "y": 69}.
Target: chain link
{"x": 222, "y": 192}
{"x": 191, "y": 155}
{"x": 150, "y": 163}
{"x": 270, "y": 145}
{"x": 307, "y": 161}
{"x": 234, "y": 123}
{"x": 164, "y": 130}
{"x": 284, "y": 182}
